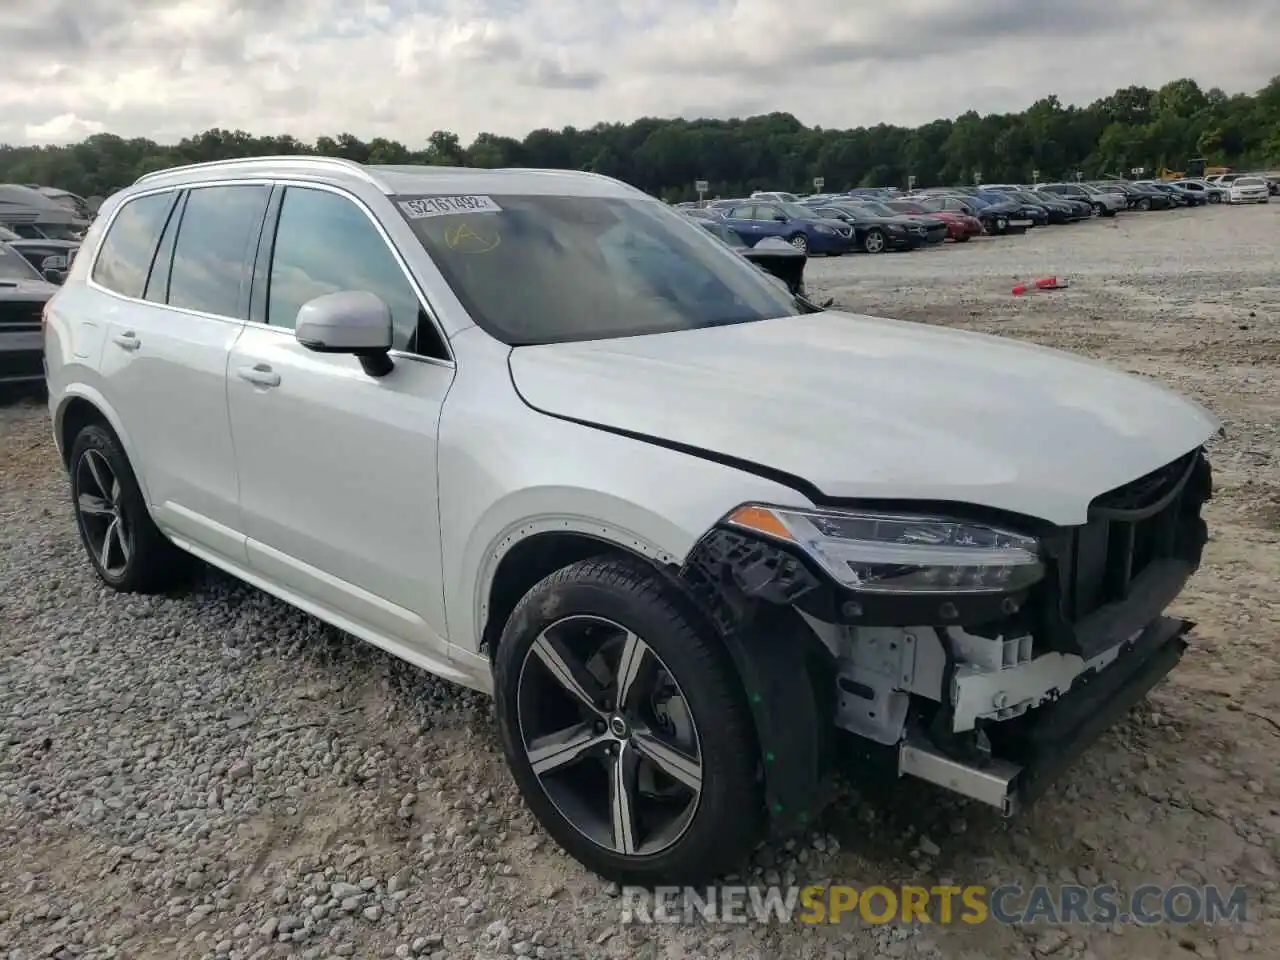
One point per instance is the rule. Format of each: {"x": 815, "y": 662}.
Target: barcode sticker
{"x": 423, "y": 207}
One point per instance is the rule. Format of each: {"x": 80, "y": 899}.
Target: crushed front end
{"x": 985, "y": 652}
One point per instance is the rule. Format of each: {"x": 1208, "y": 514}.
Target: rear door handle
{"x": 127, "y": 341}
{"x": 260, "y": 375}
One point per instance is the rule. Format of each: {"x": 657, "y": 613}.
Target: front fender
{"x": 508, "y": 472}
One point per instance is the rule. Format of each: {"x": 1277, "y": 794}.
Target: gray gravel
{"x": 214, "y": 775}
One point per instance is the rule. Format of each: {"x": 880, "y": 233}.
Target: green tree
{"x": 1133, "y": 127}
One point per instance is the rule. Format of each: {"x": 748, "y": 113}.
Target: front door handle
{"x": 127, "y": 341}
{"x": 260, "y": 375}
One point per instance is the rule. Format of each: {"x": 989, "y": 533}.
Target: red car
{"x": 960, "y": 226}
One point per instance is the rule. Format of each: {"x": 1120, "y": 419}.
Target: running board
{"x": 994, "y": 784}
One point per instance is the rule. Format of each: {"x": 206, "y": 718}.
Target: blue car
{"x": 793, "y": 222}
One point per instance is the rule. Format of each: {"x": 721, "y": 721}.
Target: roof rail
{"x": 333, "y": 163}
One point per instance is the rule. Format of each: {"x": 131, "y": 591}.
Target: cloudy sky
{"x": 402, "y": 68}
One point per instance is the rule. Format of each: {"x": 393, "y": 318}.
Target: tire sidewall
{"x": 867, "y": 241}
{"x": 729, "y": 788}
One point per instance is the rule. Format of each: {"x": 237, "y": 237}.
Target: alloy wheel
{"x": 99, "y": 508}
{"x": 609, "y": 735}
{"x": 874, "y": 242}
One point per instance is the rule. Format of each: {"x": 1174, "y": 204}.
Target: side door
{"x": 337, "y": 469}
{"x": 766, "y": 217}
{"x": 741, "y": 218}
{"x": 180, "y": 303}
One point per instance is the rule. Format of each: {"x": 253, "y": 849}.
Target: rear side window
{"x": 130, "y": 245}
{"x": 213, "y": 254}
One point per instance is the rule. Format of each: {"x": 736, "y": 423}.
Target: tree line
{"x": 1131, "y": 128}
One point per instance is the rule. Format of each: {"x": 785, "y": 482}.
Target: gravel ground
{"x": 214, "y": 775}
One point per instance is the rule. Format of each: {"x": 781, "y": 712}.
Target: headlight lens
{"x": 902, "y": 554}
{"x": 822, "y": 228}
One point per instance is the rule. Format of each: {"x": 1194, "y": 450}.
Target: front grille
{"x": 20, "y": 315}
{"x": 1130, "y": 528}
{"x": 28, "y": 364}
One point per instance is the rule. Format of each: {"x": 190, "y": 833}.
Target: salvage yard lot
{"x": 191, "y": 776}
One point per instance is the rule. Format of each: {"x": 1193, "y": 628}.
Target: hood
{"x": 863, "y": 407}
{"x": 27, "y": 290}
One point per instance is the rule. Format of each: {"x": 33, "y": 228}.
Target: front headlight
{"x": 895, "y": 227}
{"x": 822, "y": 228}
{"x": 902, "y": 554}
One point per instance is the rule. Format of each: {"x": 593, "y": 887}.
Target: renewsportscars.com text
{"x": 1011, "y": 904}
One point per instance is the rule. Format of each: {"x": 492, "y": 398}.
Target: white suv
{"x": 538, "y": 434}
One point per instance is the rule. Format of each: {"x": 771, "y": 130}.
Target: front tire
{"x": 625, "y": 726}
{"x": 127, "y": 550}
{"x": 874, "y": 241}
{"x": 800, "y": 242}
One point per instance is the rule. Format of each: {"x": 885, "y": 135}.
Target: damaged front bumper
{"x": 991, "y": 697}
{"x": 1038, "y": 746}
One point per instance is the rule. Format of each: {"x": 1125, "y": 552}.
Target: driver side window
{"x": 324, "y": 243}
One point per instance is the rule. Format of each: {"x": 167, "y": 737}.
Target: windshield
{"x": 544, "y": 269}
{"x": 14, "y": 266}
{"x": 878, "y": 208}
{"x": 902, "y": 206}
{"x": 794, "y": 210}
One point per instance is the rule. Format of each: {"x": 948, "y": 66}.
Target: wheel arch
{"x": 539, "y": 548}
{"x": 783, "y": 670}
{"x": 80, "y": 406}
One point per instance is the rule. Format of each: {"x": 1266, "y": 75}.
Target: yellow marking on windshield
{"x": 464, "y": 238}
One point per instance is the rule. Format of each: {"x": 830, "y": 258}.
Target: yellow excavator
{"x": 1196, "y": 169}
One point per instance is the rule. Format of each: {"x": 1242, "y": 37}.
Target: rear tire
{"x": 570, "y": 624}
{"x": 127, "y": 550}
{"x": 1215, "y": 198}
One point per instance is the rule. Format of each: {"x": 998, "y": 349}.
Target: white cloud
{"x": 402, "y": 68}
{"x": 62, "y": 128}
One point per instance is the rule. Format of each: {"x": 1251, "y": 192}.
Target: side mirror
{"x": 780, "y": 217}
{"x": 350, "y": 321}
{"x": 53, "y": 275}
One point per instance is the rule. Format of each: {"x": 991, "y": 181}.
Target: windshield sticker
{"x": 466, "y": 238}
{"x": 424, "y": 207}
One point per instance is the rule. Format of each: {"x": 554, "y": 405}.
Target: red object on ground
{"x": 1020, "y": 289}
